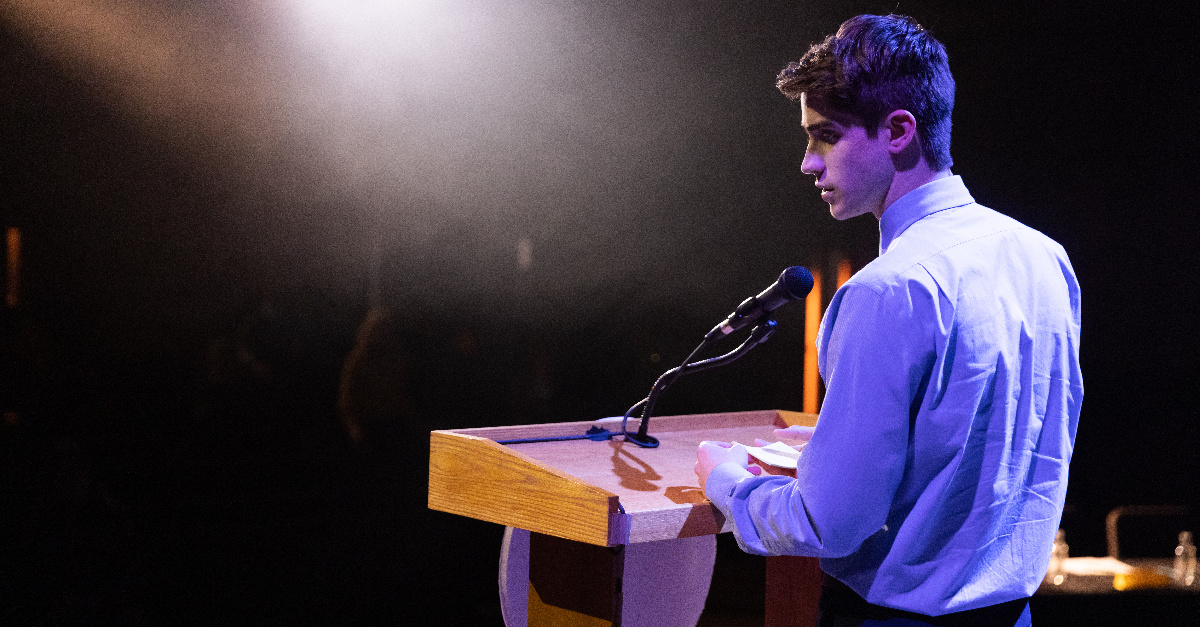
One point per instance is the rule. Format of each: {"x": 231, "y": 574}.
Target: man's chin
{"x": 839, "y": 212}
{"x": 842, "y": 212}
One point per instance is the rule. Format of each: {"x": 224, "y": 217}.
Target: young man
{"x": 934, "y": 482}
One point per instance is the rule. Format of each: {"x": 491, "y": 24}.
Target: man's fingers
{"x": 795, "y": 432}
{"x": 713, "y": 453}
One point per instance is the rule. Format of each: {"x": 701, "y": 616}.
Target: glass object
{"x": 1185, "y": 560}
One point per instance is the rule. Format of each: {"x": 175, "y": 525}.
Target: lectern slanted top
{"x": 604, "y": 493}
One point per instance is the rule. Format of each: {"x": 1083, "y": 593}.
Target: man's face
{"x": 854, "y": 171}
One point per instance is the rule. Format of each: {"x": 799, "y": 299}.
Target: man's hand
{"x": 712, "y": 454}
{"x": 790, "y": 436}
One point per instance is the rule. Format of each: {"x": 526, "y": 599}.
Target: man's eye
{"x": 821, "y": 139}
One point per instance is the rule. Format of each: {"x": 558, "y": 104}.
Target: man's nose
{"x": 811, "y": 164}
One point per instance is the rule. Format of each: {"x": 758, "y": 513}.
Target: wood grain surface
{"x": 571, "y": 488}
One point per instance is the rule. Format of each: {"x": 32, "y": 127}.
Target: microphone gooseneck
{"x": 794, "y": 283}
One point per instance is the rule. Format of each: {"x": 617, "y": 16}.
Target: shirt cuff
{"x": 721, "y": 481}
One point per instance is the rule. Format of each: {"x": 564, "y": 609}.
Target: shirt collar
{"x": 934, "y": 196}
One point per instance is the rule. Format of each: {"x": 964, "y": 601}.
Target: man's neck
{"x": 905, "y": 181}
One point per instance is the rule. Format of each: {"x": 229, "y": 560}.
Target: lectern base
{"x": 550, "y": 581}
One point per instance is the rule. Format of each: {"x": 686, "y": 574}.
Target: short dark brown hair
{"x": 876, "y": 64}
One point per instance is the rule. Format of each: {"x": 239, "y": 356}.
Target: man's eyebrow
{"x": 823, "y": 125}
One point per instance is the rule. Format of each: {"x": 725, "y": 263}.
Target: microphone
{"x": 795, "y": 282}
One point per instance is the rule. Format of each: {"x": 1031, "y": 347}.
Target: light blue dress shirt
{"x": 935, "y": 479}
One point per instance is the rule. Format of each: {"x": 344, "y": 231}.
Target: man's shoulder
{"x": 976, "y": 220}
{"x": 975, "y": 233}
{"x": 958, "y": 225}
{"x": 959, "y": 236}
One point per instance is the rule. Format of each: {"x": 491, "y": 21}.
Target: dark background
{"x": 212, "y": 197}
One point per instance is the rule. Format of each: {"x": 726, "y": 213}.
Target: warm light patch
{"x": 843, "y": 271}
{"x": 812, "y": 320}
{"x": 12, "y": 292}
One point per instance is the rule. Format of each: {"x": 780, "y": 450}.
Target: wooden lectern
{"x": 584, "y": 501}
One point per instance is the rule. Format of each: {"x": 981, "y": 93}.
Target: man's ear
{"x": 901, "y": 129}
